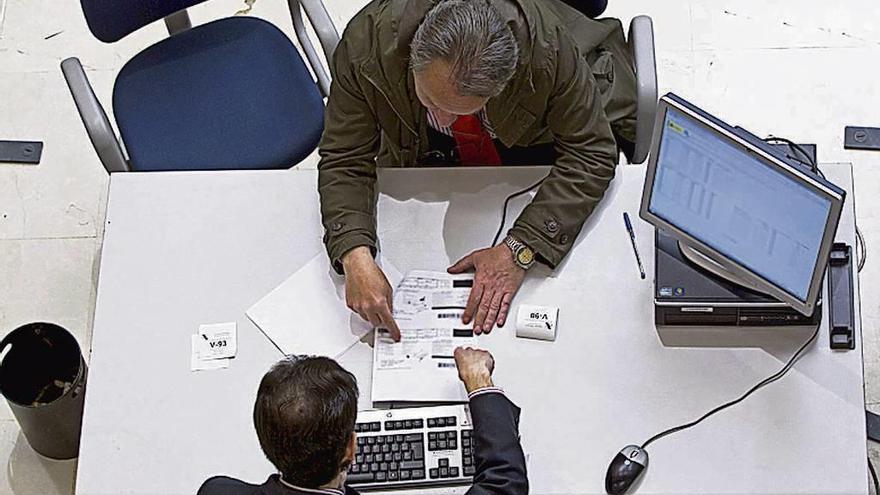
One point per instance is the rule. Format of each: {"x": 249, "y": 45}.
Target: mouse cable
{"x": 504, "y": 209}
{"x": 767, "y": 381}
{"x": 873, "y": 476}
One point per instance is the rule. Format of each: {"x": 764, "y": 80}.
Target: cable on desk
{"x": 860, "y": 240}
{"x": 767, "y": 381}
{"x": 504, "y": 209}
{"x": 794, "y": 147}
{"x": 873, "y": 476}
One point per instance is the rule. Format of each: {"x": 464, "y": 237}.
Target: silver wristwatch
{"x": 523, "y": 255}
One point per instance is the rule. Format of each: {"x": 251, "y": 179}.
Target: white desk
{"x": 182, "y": 249}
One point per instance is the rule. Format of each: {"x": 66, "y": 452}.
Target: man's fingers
{"x": 473, "y": 300}
{"x": 389, "y": 323}
{"x": 492, "y": 314}
{"x": 462, "y": 265}
{"x": 483, "y": 310}
{"x": 505, "y": 308}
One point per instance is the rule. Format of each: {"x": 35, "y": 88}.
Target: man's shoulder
{"x": 224, "y": 485}
{"x": 367, "y": 28}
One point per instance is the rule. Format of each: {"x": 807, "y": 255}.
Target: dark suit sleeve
{"x": 500, "y": 463}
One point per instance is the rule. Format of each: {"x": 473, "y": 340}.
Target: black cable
{"x": 798, "y": 149}
{"x": 504, "y": 209}
{"x": 864, "y": 257}
{"x": 874, "y": 476}
{"x": 767, "y": 381}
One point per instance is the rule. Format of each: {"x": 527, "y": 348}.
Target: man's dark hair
{"x": 304, "y": 414}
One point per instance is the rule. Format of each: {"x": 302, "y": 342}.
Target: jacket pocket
{"x": 601, "y": 63}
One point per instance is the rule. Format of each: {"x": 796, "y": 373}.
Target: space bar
{"x": 359, "y": 477}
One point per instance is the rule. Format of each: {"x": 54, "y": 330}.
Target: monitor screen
{"x": 762, "y": 218}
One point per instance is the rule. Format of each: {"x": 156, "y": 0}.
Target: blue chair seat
{"x": 230, "y": 94}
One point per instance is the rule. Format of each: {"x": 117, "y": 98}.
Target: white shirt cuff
{"x": 485, "y": 390}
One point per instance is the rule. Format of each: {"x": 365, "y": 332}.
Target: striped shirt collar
{"x": 322, "y": 491}
{"x": 447, "y": 130}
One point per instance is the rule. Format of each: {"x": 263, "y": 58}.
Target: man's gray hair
{"x": 473, "y": 39}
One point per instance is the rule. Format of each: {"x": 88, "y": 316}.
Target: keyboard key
{"x": 418, "y": 474}
{"x": 467, "y": 433}
{"x": 451, "y": 421}
{"x": 377, "y": 426}
{"x": 432, "y": 446}
{"x": 392, "y": 476}
{"x": 366, "y": 449}
{"x": 453, "y": 471}
{"x": 443, "y": 462}
{"x": 434, "y": 473}
{"x": 404, "y": 447}
{"x": 374, "y": 467}
{"x": 465, "y": 442}
{"x": 444, "y": 472}
{"x": 418, "y": 423}
{"x": 412, "y": 465}
{"x": 362, "y": 440}
{"x": 389, "y": 425}
{"x": 404, "y": 475}
{"x": 469, "y": 470}
{"x": 399, "y": 438}
{"x": 407, "y": 456}
{"x": 388, "y": 457}
{"x": 432, "y": 422}
{"x": 360, "y": 478}
{"x": 408, "y": 424}
{"x": 397, "y": 457}
{"x": 395, "y": 447}
{"x": 359, "y": 458}
{"x": 393, "y": 466}
{"x": 368, "y": 458}
{"x": 381, "y": 476}
{"x": 441, "y": 445}
{"x": 418, "y": 454}
{"x": 451, "y": 435}
{"x": 371, "y": 440}
{"x": 386, "y": 448}
{"x": 355, "y": 469}
{"x": 414, "y": 437}
{"x": 453, "y": 444}
{"x": 380, "y": 440}
{"x": 383, "y": 466}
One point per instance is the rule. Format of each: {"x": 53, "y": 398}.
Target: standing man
{"x": 305, "y": 414}
{"x": 472, "y": 82}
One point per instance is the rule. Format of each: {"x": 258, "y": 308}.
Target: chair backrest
{"x": 112, "y": 20}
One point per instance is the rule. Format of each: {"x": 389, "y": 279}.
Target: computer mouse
{"x": 625, "y": 469}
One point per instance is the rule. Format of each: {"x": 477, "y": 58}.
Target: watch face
{"x": 525, "y": 256}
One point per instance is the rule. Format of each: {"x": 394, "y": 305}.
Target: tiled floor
{"x": 798, "y": 69}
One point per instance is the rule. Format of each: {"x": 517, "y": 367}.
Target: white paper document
{"x": 307, "y": 313}
{"x": 428, "y": 307}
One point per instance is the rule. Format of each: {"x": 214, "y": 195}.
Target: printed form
{"x": 428, "y": 307}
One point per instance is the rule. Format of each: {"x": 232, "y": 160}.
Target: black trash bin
{"x": 43, "y": 378}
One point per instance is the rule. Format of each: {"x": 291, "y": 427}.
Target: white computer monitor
{"x": 738, "y": 208}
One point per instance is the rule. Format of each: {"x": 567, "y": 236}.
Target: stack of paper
{"x": 213, "y": 347}
{"x": 428, "y": 307}
{"x": 307, "y": 313}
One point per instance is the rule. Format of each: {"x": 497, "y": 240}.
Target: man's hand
{"x": 367, "y": 291}
{"x": 496, "y": 281}
{"x": 475, "y": 368}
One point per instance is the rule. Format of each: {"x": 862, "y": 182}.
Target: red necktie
{"x": 475, "y": 146}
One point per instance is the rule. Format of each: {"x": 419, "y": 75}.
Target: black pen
{"x": 632, "y": 238}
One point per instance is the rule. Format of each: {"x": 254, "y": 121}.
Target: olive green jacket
{"x": 574, "y": 82}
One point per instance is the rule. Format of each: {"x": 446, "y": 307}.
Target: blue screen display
{"x": 727, "y": 198}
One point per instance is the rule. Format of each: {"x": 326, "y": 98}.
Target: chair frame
{"x": 100, "y": 130}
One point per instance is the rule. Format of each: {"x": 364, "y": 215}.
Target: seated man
{"x": 305, "y": 414}
{"x": 472, "y": 82}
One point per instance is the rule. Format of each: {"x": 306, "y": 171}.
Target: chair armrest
{"x": 327, "y": 35}
{"x": 93, "y": 117}
{"x": 641, "y": 42}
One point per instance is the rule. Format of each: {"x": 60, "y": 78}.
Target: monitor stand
{"x": 706, "y": 263}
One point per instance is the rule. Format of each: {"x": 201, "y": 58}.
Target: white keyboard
{"x": 413, "y": 447}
